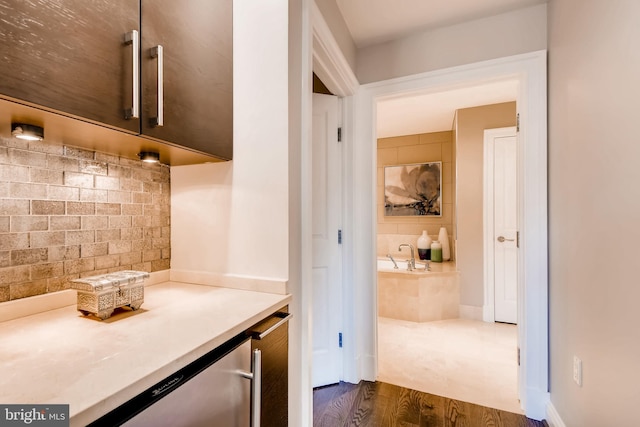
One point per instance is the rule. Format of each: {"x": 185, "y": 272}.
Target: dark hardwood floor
{"x": 386, "y": 405}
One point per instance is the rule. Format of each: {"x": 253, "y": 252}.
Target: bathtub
{"x": 386, "y": 264}
{"x": 419, "y": 295}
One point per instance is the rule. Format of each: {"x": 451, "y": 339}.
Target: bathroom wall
{"x": 67, "y": 212}
{"x": 470, "y": 124}
{"x": 420, "y": 148}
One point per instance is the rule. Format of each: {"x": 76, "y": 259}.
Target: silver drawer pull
{"x": 274, "y": 327}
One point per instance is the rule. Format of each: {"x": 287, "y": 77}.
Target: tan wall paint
{"x": 401, "y": 150}
{"x": 470, "y": 124}
{"x": 511, "y": 33}
{"x": 594, "y": 210}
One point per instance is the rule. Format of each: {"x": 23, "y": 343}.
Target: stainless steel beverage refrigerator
{"x": 227, "y": 387}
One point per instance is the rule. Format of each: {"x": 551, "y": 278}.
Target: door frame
{"x": 488, "y": 310}
{"x": 530, "y": 70}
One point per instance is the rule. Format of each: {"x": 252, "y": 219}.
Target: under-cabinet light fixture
{"x": 149, "y": 156}
{"x": 27, "y": 131}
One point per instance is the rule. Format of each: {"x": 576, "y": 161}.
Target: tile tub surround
{"x": 419, "y": 296}
{"x": 67, "y": 212}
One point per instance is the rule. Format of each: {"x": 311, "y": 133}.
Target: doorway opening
{"x": 530, "y": 72}
{"x": 359, "y": 219}
{"x": 431, "y": 336}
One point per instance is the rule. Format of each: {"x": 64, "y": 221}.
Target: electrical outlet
{"x": 577, "y": 370}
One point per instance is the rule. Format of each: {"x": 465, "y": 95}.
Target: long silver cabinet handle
{"x": 133, "y": 38}
{"x": 256, "y": 386}
{"x": 158, "y": 52}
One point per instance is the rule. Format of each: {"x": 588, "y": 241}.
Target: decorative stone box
{"x": 101, "y": 295}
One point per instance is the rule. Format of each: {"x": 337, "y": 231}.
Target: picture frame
{"x": 413, "y": 190}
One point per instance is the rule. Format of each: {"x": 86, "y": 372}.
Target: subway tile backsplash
{"x": 68, "y": 212}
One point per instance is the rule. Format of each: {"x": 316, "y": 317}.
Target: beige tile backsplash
{"x": 68, "y": 212}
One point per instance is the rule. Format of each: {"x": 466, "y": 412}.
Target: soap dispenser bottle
{"x": 424, "y": 246}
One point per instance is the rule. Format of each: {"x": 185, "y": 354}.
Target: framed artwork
{"x": 413, "y": 190}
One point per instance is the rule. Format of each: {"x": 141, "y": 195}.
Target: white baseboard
{"x": 553, "y": 418}
{"x": 369, "y": 368}
{"x": 488, "y": 313}
{"x": 470, "y": 312}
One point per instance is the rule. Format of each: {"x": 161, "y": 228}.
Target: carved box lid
{"x": 106, "y": 281}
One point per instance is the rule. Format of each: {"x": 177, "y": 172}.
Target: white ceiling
{"x": 434, "y": 112}
{"x": 376, "y": 21}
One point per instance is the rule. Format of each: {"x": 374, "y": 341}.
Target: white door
{"x": 503, "y": 236}
{"x": 326, "y": 219}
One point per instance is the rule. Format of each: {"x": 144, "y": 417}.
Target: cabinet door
{"x": 70, "y": 56}
{"x": 196, "y": 40}
{"x": 271, "y": 337}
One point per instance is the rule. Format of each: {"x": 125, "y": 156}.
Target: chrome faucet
{"x": 412, "y": 261}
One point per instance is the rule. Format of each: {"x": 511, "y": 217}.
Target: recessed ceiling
{"x": 377, "y": 21}
{"x": 434, "y": 112}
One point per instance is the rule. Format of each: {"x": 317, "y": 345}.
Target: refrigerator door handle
{"x": 256, "y": 386}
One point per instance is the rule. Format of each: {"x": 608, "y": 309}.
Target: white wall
{"x": 498, "y": 36}
{"x": 200, "y": 217}
{"x": 333, "y": 17}
{"x": 246, "y": 217}
{"x": 233, "y": 218}
{"x": 300, "y": 347}
{"x": 594, "y": 209}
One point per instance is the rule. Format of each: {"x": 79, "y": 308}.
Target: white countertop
{"x": 60, "y": 356}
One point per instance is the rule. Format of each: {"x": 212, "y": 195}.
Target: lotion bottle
{"x": 436, "y": 251}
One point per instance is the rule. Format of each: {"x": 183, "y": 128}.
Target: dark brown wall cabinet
{"x": 196, "y": 40}
{"x": 95, "y": 59}
{"x": 69, "y": 56}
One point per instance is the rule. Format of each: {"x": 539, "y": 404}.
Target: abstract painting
{"x": 413, "y": 190}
